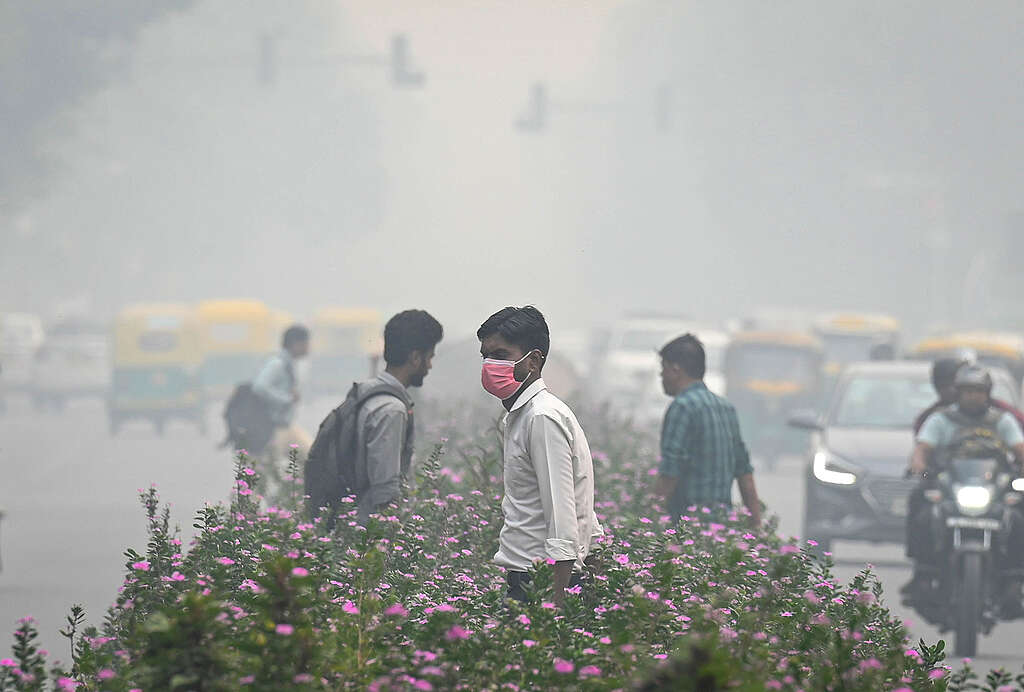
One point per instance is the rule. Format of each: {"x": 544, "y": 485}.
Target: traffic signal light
{"x": 535, "y": 118}
{"x": 402, "y": 74}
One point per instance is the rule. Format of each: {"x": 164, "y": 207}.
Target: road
{"x": 70, "y": 495}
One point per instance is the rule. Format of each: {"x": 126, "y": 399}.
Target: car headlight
{"x": 1018, "y": 485}
{"x": 830, "y": 469}
{"x": 973, "y": 498}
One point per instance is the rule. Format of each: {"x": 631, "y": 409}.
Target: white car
{"x": 630, "y": 374}
{"x": 74, "y": 362}
{"x": 21, "y": 335}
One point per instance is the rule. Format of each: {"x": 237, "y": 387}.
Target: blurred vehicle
{"x": 156, "y": 367}
{"x": 74, "y": 362}
{"x": 1002, "y": 349}
{"x": 631, "y": 355}
{"x": 348, "y": 344}
{"x": 653, "y": 403}
{"x": 768, "y": 374}
{"x": 235, "y": 337}
{"x": 851, "y": 337}
{"x": 21, "y": 335}
{"x": 860, "y": 449}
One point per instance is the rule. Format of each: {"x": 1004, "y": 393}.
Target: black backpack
{"x": 332, "y": 465}
{"x": 247, "y": 417}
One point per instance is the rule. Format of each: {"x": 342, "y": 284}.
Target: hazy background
{"x": 844, "y": 154}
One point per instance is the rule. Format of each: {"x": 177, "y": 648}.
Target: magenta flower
{"x": 397, "y": 610}
{"x": 300, "y": 572}
{"x": 284, "y": 629}
{"x": 141, "y": 565}
{"x": 563, "y": 666}
{"x": 589, "y": 671}
{"x": 66, "y": 684}
{"x": 350, "y": 608}
{"x": 523, "y": 620}
{"x": 226, "y": 561}
{"x": 528, "y": 643}
{"x": 457, "y": 632}
{"x": 106, "y": 674}
{"x": 7, "y": 663}
{"x": 622, "y": 559}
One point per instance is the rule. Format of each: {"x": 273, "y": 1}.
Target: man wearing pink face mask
{"x": 549, "y": 474}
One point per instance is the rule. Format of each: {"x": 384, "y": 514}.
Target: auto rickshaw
{"x": 156, "y": 367}
{"x": 347, "y": 346}
{"x": 235, "y": 337}
{"x": 852, "y": 337}
{"x": 768, "y": 375}
{"x": 1004, "y": 349}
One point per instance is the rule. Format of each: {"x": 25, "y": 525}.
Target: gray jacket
{"x": 386, "y": 433}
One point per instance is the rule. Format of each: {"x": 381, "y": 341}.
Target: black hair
{"x": 295, "y": 334}
{"x": 408, "y": 331}
{"x": 687, "y": 352}
{"x": 524, "y": 327}
{"x": 944, "y": 371}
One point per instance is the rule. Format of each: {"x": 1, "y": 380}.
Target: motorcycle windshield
{"x": 975, "y": 471}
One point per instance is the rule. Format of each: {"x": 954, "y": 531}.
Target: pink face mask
{"x": 498, "y": 377}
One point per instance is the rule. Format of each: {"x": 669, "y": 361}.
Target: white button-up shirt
{"x": 549, "y": 483}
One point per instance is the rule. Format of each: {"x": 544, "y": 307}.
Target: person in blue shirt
{"x": 702, "y": 450}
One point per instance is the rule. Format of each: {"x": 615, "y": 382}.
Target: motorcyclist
{"x": 943, "y": 372}
{"x": 973, "y": 409}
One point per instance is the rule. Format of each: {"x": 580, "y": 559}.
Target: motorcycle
{"x": 972, "y": 503}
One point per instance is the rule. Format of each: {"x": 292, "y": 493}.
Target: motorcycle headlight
{"x": 830, "y": 469}
{"x": 973, "y": 498}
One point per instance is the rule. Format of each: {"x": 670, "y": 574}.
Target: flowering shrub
{"x": 264, "y": 598}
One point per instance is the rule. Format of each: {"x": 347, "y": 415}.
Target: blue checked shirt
{"x": 702, "y": 448}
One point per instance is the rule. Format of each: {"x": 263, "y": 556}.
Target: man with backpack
{"x": 278, "y": 388}
{"x": 364, "y": 447}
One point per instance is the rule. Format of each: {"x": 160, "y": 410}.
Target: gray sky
{"x": 830, "y": 155}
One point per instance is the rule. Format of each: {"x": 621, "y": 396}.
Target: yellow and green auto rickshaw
{"x": 235, "y": 336}
{"x": 851, "y": 337}
{"x": 347, "y": 347}
{"x": 1004, "y": 349}
{"x": 156, "y": 367}
{"x": 769, "y": 374}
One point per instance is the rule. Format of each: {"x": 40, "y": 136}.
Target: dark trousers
{"x": 517, "y": 582}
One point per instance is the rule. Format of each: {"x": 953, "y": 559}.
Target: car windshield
{"x": 847, "y": 348}
{"x": 778, "y": 363}
{"x": 879, "y": 401}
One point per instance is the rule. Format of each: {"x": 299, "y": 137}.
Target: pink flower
{"x": 7, "y": 663}
{"x": 106, "y": 674}
{"x": 247, "y": 680}
{"x": 563, "y": 666}
{"x": 622, "y": 559}
{"x": 226, "y": 561}
{"x": 523, "y": 620}
{"x": 300, "y": 572}
{"x": 397, "y": 610}
{"x": 422, "y": 685}
{"x": 589, "y": 671}
{"x": 303, "y": 677}
{"x": 284, "y": 629}
{"x": 937, "y": 673}
{"x": 350, "y": 608}
{"x": 457, "y": 632}
{"x": 528, "y": 643}
{"x": 790, "y": 549}
{"x": 66, "y": 684}
{"x": 605, "y": 640}
{"x": 786, "y": 614}
{"x": 141, "y": 565}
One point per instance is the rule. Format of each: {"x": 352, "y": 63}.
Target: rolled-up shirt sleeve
{"x": 551, "y": 452}
{"x": 385, "y": 436}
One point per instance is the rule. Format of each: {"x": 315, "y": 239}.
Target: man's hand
{"x": 919, "y": 460}
{"x": 748, "y": 491}
{"x": 563, "y": 572}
